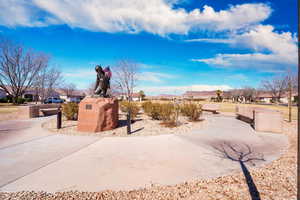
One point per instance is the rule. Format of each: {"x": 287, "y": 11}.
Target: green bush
{"x": 20, "y": 100}
{"x": 191, "y": 110}
{"x": 70, "y": 110}
{"x": 4, "y": 100}
{"x": 28, "y": 99}
{"x": 134, "y": 108}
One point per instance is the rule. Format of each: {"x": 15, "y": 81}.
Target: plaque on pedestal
{"x": 98, "y": 114}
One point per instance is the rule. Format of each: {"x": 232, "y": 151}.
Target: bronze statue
{"x": 102, "y": 82}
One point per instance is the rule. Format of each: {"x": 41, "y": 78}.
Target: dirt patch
{"x": 142, "y": 126}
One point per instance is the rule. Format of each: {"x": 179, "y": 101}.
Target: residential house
{"x": 124, "y": 96}
{"x": 74, "y": 96}
{"x": 285, "y": 97}
{"x": 267, "y": 97}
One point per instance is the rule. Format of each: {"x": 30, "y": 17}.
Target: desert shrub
{"x": 147, "y": 106}
{"x": 191, "y": 110}
{"x": 127, "y": 106}
{"x": 169, "y": 114}
{"x": 154, "y": 111}
{"x": 165, "y": 99}
{"x": 70, "y": 110}
{"x": 166, "y": 111}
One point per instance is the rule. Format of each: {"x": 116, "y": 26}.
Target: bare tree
{"x": 292, "y": 85}
{"x": 19, "y": 68}
{"x": 69, "y": 89}
{"x": 46, "y": 82}
{"x": 276, "y": 86}
{"x": 126, "y": 77}
{"x": 91, "y": 88}
{"x": 249, "y": 93}
{"x": 236, "y": 95}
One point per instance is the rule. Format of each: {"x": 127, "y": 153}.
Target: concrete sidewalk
{"x": 85, "y": 164}
{"x": 14, "y": 132}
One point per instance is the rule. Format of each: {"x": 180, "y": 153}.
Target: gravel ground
{"x": 276, "y": 180}
{"x": 143, "y": 126}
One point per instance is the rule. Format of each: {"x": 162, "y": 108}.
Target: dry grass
{"x": 230, "y": 107}
{"x": 7, "y": 108}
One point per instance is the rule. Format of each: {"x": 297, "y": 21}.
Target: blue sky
{"x": 180, "y": 44}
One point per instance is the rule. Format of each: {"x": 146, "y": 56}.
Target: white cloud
{"x": 151, "y": 90}
{"x": 82, "y": 73}
{"x": 271, "y": 49}
{"x": 212, "y": 40}
{"x": 23, "y": 13}
{"x": 240, "y": 77}
{"x": 132, "y": 16}
{"x": 242, "y": 60}
{"x": 154, "y": 77}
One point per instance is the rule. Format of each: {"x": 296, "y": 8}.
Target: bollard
{"x": 128, "y": 123}
{"x": 58, "y": 121}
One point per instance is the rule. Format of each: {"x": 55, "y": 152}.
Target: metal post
{"x": 58, "y": 124}
{"x": 128, "y": 122}
{"x": 290, "y": 101}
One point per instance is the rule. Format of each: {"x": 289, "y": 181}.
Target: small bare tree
{"x": 249, "y": 93}
{"x": 69, "y": 89}
{"x": 46, "y": 82}
{"x": 276, "y": 86}
{"x": 126, "y": 77}
{"x": 91, "y": 88}
{"x": 236, "y": 95}
{"x": 19, "y": 67}
{"x": 292, "y": 85}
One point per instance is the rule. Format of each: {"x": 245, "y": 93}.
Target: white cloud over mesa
{"x": 178, "y": 90}
{"x": 131, "y": 16}
{"x": 270, "y": 49}
{"x": 154, "y": 77}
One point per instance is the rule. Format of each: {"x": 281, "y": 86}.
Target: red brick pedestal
{"x": 98, "y": 114}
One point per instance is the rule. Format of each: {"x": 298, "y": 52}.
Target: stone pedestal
{"x": 97, "y": 114}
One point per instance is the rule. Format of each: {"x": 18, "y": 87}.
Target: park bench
{"x": 214, "y": 108}
{"x": 37, "y": 110}
{"x": 49, "y": 111}
{"x": 262, "y": 119}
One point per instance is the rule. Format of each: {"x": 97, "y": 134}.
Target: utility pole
{"x": 290, "y": 100}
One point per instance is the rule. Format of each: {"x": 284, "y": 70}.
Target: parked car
{"x": 53, "y": 100}
{"x": 74, "y": 100}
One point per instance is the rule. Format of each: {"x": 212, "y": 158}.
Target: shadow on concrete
{"x": 241, "y": 154}
{"x": 137, "y": 130}
{"x": 123, "y": 122}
